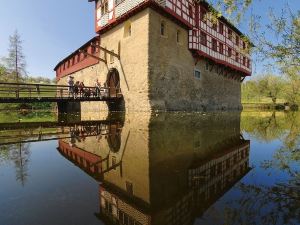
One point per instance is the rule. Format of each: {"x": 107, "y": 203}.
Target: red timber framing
{"x": 85, "y": 56}
{"x": 218, "y": 41}
{"x": 84, "y": 159}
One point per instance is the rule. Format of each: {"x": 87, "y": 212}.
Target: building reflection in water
{"x": 163, "y": 169}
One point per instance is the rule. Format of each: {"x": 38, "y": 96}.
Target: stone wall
{"x": 173, "y": 85}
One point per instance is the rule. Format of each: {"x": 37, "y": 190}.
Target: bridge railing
{"x": 24, "y": 90}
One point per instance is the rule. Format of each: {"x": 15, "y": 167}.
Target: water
{"x": 167, "y": 168}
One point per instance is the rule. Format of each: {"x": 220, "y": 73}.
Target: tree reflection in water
{"x": 277, "y": 203}
{"x": 19, "y": 154}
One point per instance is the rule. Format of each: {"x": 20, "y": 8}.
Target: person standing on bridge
{"x": 38, "y": 91}
{"x": 71, "y": 85}
{"x": 97, "y": 88}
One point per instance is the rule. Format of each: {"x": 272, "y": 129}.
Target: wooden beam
{"x": 242, "y": 80}
{"x": 107, "y": 51}
{"x": 95, "y": 57}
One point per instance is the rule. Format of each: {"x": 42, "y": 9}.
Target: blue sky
{"x": 53, "y": 29}
{"x": 50, "y": 30}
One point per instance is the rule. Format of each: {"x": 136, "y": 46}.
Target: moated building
{"x": 162, "y": 55}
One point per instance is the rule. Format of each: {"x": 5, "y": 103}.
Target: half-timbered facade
{"x": 165, "y": 54}
{"x": 213, "y": 38}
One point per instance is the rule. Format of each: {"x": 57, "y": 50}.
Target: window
{"x": 214, "y": 26}
{"x": 202, "y": 14}
{"x": 203, "y": 38}
{"x": 221, "y": 28}
{"x": 104, "y": 8}
{"x": 127, "y": 29}
{"x": 244, "y": 60}
{"x": 237, "y": 57}
{"x": 244, "y": 45}
{"x": 229, "y": 52}
{"x": 214, "y": 45}
{"x": 118, "y": 2}
{"x": 229, "y": 34}
{"x": 163, "y": 28}
{"x": 190, "y": 11}
{"x": 221, "y": 48}
{"x": 93, "y": 49}
{"x": 237, "y": 40}
{"x": 178, "y": 36}
{"x": 197, "y": 74}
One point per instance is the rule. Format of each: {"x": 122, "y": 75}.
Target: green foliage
{"x": 232, "y": 9}
{"x": 269, "y": 87}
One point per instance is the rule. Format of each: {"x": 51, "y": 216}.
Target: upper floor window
{"x": 163, "y": 28}
{"x": 229, "y": 34}
{"x": 237, "y": 40}
{"x": 203, "y": 38}
{"x": 214, "y": 45}
{"x": 117, "y": 2}
{"x": 221, "y": 48}
{"x": 221, "y": 28}
{"x": 104, "y": 8}
{"x": 202, "y": 14}
{"x": 244, "y": 60}
{"x": 127, "y": 29}
{"x": 237, "y": 57}
{"x": 191, "y": 11}
{"x": 93, "y": 49}
{"x": 229, "y": 52}
{"x": 214, "y": 26}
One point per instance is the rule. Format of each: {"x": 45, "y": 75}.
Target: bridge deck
{"x": 30, "y": 93}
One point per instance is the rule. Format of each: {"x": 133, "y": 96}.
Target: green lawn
{"x": 263, "y": 100}
{"x": 16, "y": 116}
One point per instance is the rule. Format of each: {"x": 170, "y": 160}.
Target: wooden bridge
{"x": 29, "y": 93}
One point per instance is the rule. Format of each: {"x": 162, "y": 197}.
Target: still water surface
{"x": 162, "y": 169}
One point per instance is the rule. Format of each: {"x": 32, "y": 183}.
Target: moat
{"x": 150, "y": 169}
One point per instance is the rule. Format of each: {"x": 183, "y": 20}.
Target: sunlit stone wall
{"x": 173, "y": 85}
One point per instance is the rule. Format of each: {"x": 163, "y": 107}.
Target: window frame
{"x": 195, "y": 72}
